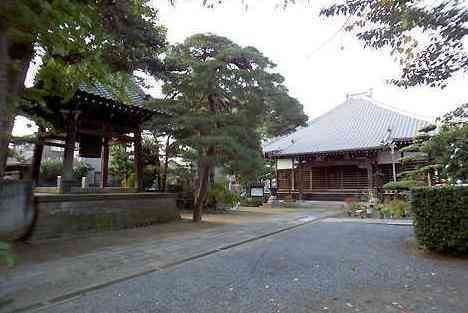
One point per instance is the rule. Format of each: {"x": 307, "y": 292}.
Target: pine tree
{"x": 225, "y": 98}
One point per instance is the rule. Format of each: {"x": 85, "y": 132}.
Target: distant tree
{"x": 121, "y": 166}
{"x": 151, "y": 158}
{"x": 428, "y": 37}
{"x": 79, "y": 41}
{"x": 444, "y": 153}
{"x": 223, "y": 100}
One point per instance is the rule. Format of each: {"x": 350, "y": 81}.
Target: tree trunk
{"x": 166, "y": 163}
{"x": 11, "y": 86}
{"x": 202, "y": 192}
{"x": 5, "y": 118}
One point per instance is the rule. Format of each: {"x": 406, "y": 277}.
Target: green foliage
{"x": 223, "y": 100}
{"x": 441, "y": 218}
{"x": 251, "y": 202}
{"x": 398, "y": 208}
{"x": 219, "y": 193}
{"x": 6, "y": 256}
{"x": 446, "y": 151}
{"x": 384, "y": 211}
{"x": 354, "y": 206}
{"x": 403, "y": 185}
{"x": 81, "y": 170}
{"x": 224, "y": 95}
{"x": 121, "y": 166}
{"x": 427, "y": 37}
{"x": 84, "y": 40}
{"x": 77, "y": 41}
{"x": 50, "y": 169}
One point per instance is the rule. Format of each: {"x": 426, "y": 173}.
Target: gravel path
{"x": 319, "y": 267}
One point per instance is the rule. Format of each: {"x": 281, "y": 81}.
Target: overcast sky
{"x": 320, "y": 63}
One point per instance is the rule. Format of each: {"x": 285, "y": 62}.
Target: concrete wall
{"x": 16, "y": 208}
{"x": 70, "y": 214}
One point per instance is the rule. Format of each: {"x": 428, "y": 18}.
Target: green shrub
{"x": 251, "y": 202}
{"x": 441, "y": 218}
{"x": 50, "y": 169}
{"x": 81, "y": 170}
{"x": 402, "y": 185}
{"x": 398, "y": 208}
{"x": 219, "y": 193}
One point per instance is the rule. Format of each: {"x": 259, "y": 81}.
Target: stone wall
{"x": 60, "y": 215}
{"x": 16, "y": 209}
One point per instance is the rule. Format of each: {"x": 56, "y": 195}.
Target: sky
{"x": 320, "y": 62}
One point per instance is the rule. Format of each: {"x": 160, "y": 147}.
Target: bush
{"x": 441, "y": 218}
{"x": 402, "y": 185}
{"x": 398, "y": 208}
{"x": 50, "y": 169}
{"x": 251, "y": 202}
{"x": 220, "y": 194}
{"x": 81, "y": 170}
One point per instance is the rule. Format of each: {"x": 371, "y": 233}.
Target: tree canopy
{"x": 445, "y": 149}
{"x": 428, "y": 38}
{"x": 79, "y": 41}
{"x": 224, "y": 98}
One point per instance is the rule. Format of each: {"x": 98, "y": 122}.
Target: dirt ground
{"x": 37, "y": 252}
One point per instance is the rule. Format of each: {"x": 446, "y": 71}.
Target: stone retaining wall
{"x": 16, "y": 209}
{"x": 60, "y": 215}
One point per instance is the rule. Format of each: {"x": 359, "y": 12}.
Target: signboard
{"x": 256, "y": 192}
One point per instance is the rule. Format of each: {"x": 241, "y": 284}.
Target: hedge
{"x": 251, "y": 202}
{"x": 441, "y": 218}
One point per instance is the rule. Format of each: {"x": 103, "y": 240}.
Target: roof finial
{"x": 347, "y": 96}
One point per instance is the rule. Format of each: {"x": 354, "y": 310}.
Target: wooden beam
{"x": 104, "y": 162}
{"x": 108, "y": 134}
{"x": 53, "y": 144}
{"x": 138, "y": 162}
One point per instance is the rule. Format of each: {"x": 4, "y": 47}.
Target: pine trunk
{"x": 202, "y": 192}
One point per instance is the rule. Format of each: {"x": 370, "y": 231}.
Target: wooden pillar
{"x": 104, "y": 162}
{"x": 138, "y": 164}
{"x": 36, "y": 163}
{"x": 71, "y": 119}
{"x": 370, "y": 175}
{"x": 301, "y": 178}
{"x": 292, "y": 175}
{"x": 37, "y": 158}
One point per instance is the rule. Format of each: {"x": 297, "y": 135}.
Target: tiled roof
{"x": 358, "y": 123}
{"x": 133, "y": 92}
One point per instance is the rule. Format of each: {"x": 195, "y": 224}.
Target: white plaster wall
{"x": 385, "y": 157}
{"x": 284, "y": 164}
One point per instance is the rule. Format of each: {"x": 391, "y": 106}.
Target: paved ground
{"x": 326, "y": 266}
{"x": 56, "y": 269}
{"x": 320, "y": 267}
